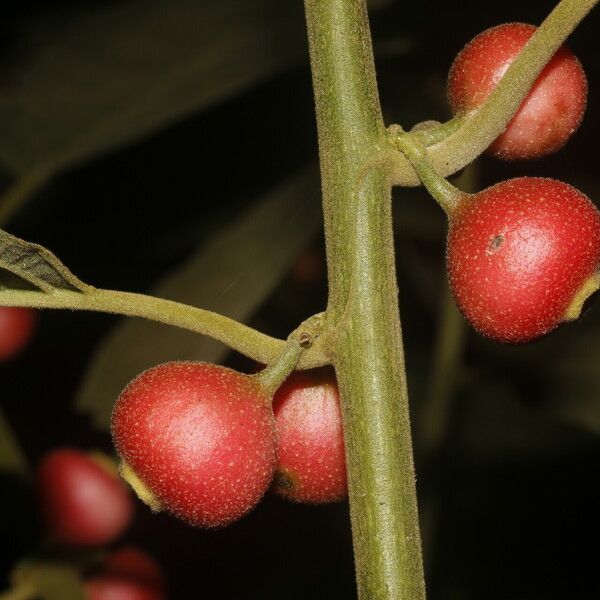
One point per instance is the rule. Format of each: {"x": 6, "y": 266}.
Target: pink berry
{"x": 200, "y": 437}
{"x": 311, "y": 464}
{"x": 16, "y": 328}
{"x": 551, "y": 112}
{"x": 107, "y": 587}
{"x": 522, "y": 256}
{"x": 83, "y": 503}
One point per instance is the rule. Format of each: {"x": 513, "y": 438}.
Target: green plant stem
{"x": 271, "y": 377}
{"x": 445, "y": 194}
{"x": 479, "y": 128}
{"x": 237, "y": 336}
{"x": 363, "y": 303}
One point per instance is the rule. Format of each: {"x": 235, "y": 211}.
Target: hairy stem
{"x": 237, "y": 336}
{"x": 479, "y": 128}
{"x": 363, "y": 303}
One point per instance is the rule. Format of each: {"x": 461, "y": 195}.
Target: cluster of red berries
{"x": 523, "y": 255}
{"x": 205, "y": 442}
{"x": 85, "y": 504}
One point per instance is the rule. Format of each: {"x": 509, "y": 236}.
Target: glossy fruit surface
{"x": 519, "y": 252}
{"x": 135, "y": 564}
{"x": 311, "y": 464}
{"x": 201, "y": 437}
{"x": 82, "y": 502}
{"x": 550, "y": 113}
{"x": 107, "y": 587}
{"x": 16, "y": 328}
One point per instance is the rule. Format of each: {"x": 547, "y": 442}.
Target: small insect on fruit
{"x": 551, "y": 112}
{"x": 311, "y": 464}
{"x": 82, "y": 501}
{"x": 523, "y": 256}
{"x": 197, "y": 440}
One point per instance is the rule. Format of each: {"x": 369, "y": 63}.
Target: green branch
{"x": 479, "y": 128}
{"x": 237, "y": 336}
{"x": 363, "y": 303}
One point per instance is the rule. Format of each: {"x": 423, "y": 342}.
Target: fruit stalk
{"x": 363, "y": 303}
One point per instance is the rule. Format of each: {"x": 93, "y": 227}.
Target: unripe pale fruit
{"x": 199, "y": 437}
{"x": 107, "y": 587}
{"x": 311, "y": 464}
{"x": 550, "y": 113}
{"x": 523, "y": 256}
{"x": 16, "y": 328}
{"x": 82, "y": 502}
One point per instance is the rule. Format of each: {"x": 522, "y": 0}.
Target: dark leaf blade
{"x": 82, "y": 92}
{"x": 36, "y": 265}
{"x": 232, "y": 275}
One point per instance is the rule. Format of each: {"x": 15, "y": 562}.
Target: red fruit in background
{"x": 550, "y": 113}
{"x": 107, "y": 587}
{"x": 82, "y": 502}
{"x": 311, "y": 464}
{"x": 16, "y": 328}
{"x": 522, "y": 257}
{"x": 200, "y": 437}
{"x": 135, "y": 564}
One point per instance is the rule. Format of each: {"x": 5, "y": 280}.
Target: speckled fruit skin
{"x": 517, "y": 254}
{"x": 311, "y": 464}
{"x": 16, "y": 328}
{"x": 83, "y": 504}
{"x": 107, "y": 587}
{"x": 200, "y": 436}
{"x": 551, "y": 112}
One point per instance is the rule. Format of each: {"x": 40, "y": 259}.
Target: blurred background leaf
{"x": 91, "y": 79}
{"x": 232, "y": 274}
{"x": 52, "y": 581}
{"x": 12, "y": 458}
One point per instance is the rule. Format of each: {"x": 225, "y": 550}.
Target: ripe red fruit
{"x": 522, "y": 257}
{"x": 83, "y": 503}
{"x": 16, "y": 327}
{"x": 550, "y": 113}
{"x": 107, "y": 587}
{"x": 135, "y": 564}
{"x": 311, "y": 464}
{"x": 200, "y": 437}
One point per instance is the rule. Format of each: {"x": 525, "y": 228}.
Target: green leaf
{"x": 52, "y": 581}
{"x": 232, "y": 274}
{"x": 35, "y": 265}
{"x": 11, "y": 455}
{"x": 117, "y": 71}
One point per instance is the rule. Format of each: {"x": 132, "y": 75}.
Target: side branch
{"x": 479, "y": 128}
{"x": 235, "y": 335}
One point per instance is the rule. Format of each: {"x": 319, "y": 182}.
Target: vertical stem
{"x": 363, "y": 303}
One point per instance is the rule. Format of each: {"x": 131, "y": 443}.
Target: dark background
{"x": 514, "y": 484}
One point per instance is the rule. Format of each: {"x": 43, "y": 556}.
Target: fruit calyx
{"x": 142, "y": 491}
{"x": 588, "y": 288}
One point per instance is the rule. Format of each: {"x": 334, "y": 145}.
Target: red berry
{"x": 522, "y": 256}
{"x": 550, "y": 113}
{"x": 200, "y": 437}
{"x": 108, "y": 587}
{"x": 83, "y": 503}
{"x": 311, "y": 463}
{"x": 135, "y": 564}
{"x": 16, "y": 327}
